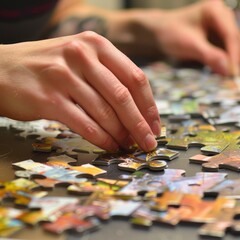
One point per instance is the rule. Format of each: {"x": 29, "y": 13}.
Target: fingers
{"x": 103, "y": 96}
{"x": 221, "y": 19}
{"x": 80, "y": 122}
{"x": 203, "y": 51}
{"x": 120, "y": 99}
{"x": 135, "y": 80}
{"x": 104, "y": 81}
{"x": 95, "y": 106}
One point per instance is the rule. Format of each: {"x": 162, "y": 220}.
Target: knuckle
{"x": 106, "y": 113}
{"x": 94, "y": 38}
{"x": 139, "y": 77}
{"x": 152, "y": 111}
{"x": 89, "y": 131}
{"x": 56, "y": 68}
{"x": 77, "y": 50}
{"x": 140, "y": 126}
{"x": 122, "y": 95}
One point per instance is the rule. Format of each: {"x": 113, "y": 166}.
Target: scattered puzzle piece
{"x": 229, "y": 159}
{"x": 228, "y": 188}
{"x": 71, "y": 146}
{"x": 210, "y": 141}
{"x": 108, "y": 186}
{"x": 21, "y": 191}
{"x": 65, "y": 161}
{"x": 152, "y": 183}
{"x": 225, "y": 221}
{"x": 137, "y": 159}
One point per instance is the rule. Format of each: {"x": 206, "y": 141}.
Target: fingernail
{"x": 156, "y": 128}
{"x": 150, "y": 142}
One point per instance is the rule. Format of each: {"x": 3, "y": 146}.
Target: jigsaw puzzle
{"x": 157, "y": 195}
{"x": 57, "y": 172}
{"x": 229, "y": 158}
{"x": 138, "y": 160}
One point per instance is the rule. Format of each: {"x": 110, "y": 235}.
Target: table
{"x": 13, "y": 149}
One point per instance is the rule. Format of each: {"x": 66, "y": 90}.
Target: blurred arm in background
{"x": 205, "y": 31}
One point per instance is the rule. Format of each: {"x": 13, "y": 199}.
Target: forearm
{"x": 126, "y": 29}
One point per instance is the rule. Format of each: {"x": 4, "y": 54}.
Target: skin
{"x": 85, "y": 82}
{"x": 181, "y": 34}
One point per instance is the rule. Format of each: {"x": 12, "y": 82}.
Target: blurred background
{"x": 114, "y": 4}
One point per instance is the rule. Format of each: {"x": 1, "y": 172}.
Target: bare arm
{"x": 181, "y": 33}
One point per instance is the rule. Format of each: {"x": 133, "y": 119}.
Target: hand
{"x": 181, "y": 34}
{"x": 84, "y": 82}
{"x": 190, "y": 29}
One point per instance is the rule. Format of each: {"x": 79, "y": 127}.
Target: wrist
{"x": 133, "y": 31}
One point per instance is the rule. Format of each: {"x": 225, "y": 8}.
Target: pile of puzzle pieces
{"x": 209, "y": 198}
{"x": 145, "y": 198}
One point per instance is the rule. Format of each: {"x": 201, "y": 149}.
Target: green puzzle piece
{"x": 210, "y": 140}
{"x": 229, "y": 158}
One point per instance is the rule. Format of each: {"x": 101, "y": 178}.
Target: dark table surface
{"x": 14, "y": 149}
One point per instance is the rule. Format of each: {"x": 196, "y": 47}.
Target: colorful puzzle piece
{"x": 59, "y": 174}
{"x": 65, "y": 161}
{"x": 71, "y": 222}
{"x": 210, "y": 141}
{"x": 224, "y": 221}
{"x": 228, "y": 188}
{"x": 73, "y": 146}
{"x": 197, "y": 184}
{"x": 152, "y": 183}
{"x": 8, "y": 224}
{"x": 108, "y": 186}
{"x": 21, "y": 191}
{"x": 137, "y": 159}
{"x": 229, "y": 159}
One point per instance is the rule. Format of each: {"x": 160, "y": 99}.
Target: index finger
{"x": 227, "y": 28}
{"x": 135, "y": 80}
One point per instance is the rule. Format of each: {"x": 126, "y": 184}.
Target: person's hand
{"x": 84, "y": 82}
{"x": 182, "y": 34}
{"x": 186, "y": 33}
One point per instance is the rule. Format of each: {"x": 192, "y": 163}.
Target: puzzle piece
{"x": 21, "y": 191}
{"x": 58, "y": 171}
{"x": 60, "y": 161}
{"x": 198, "y": 184}
{"x": 135, "y": 164}
{"x": 223, "y": 115}
{"x": 137, "y": 159}
{"x": 40, "y": 128}
{"x": 8, "y": 225}
{"x": 228, "y": 188}
{"x": 59, "y": 175}
{"x": 152, "y": 183}
{"x": 224, "y": 221}
{"x": 108, "y": 186}
{"x": 65, "y": 161}
{"x": 191, "y": 208}
{"x": 73, "y": 146}
{"x": 80, "y": 218}
{"x": 72, "y": 222}
{"x": 51, "y": 207}
{"x": 227, "y": 160}
{"x": 210, "y": 141}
